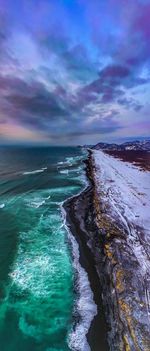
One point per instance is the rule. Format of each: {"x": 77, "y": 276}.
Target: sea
{"x": 46, "y": 303}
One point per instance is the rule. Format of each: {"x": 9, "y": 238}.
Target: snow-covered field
{"x": 126, "y": 190}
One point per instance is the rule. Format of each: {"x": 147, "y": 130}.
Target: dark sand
{"x": 77, "y": 212}
{"x": 138, "y": 158}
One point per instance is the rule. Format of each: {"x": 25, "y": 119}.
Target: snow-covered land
{"x": 123, "y": 192}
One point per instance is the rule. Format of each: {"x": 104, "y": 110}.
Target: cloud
{"x": 73, "y": 69}
{"x": 111, "y": 84}
{"x": 41, "y": 103}
{"x": 29, "y": 102}
{"x": 130, "y": 103}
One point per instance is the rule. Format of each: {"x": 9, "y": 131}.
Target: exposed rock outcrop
{"x": 125, "y": 287}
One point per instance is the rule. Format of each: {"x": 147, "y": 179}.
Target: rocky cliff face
{"x": 125, "y": 283}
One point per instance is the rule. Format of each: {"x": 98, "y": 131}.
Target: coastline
{"x": 121, "y": 202}
{"x": 78, "y": 218}
{"x": 107, "y": 245}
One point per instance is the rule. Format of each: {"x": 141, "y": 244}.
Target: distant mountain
{"x": 129, "y": 145}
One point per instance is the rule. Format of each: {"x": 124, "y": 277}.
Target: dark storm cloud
{"x": 29, "y": 101}
{"x": 66, "y": 65}
{"x": 130, "y": 103}
{"x": 10, "y": 84}
{"x": 111, "y": 83}
{"x": 100, "y": 130}
{"x": 106, "y": 125}
{"x": 43, "y": 104}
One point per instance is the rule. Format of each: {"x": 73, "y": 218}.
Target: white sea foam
{"x": 2, "y": 205}
{"x": 60, "y": 163}
{"x": 48, "y": 197}
{"x": 64, "y": 171}
{"x": 86, "y": 306}
{"x": 35, "y": 171}
{"x": 37, "y": 201}
{"x": 69, "y": 161}
{"x": 37, "y": 204}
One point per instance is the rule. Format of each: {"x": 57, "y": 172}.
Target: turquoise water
{"x": 37, "y": 268}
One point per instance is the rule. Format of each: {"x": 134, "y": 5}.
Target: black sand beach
{"x": 77, "y": 210}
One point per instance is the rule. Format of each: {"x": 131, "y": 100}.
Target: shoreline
{"x": 108, "y": 254}
{"x": 77, "y": 211}
{"x": 121, "y": 202}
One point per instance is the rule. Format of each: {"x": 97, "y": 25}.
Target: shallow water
{"x": 37, "y": 268}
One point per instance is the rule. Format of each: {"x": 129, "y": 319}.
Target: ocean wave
{"x": 69, "y": 161}
{"x": 35, "y": 171}
{"x": 85, "y": 306}
{"x": 64, "y": 171}
{"x": 74, "y": 159}
{"x": 36, "y": 204}
{"x": 37, "y": 277}
{"x": 60, "y": 163}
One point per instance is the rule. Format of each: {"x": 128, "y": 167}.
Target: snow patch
{"x": 126, "y": 189}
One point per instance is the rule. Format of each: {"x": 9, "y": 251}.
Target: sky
{"x": 74, "y": 71}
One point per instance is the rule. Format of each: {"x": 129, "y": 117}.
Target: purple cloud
{"x": 65, "y": 66}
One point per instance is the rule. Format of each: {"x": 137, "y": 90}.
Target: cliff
{"x": 121, "y": 199}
